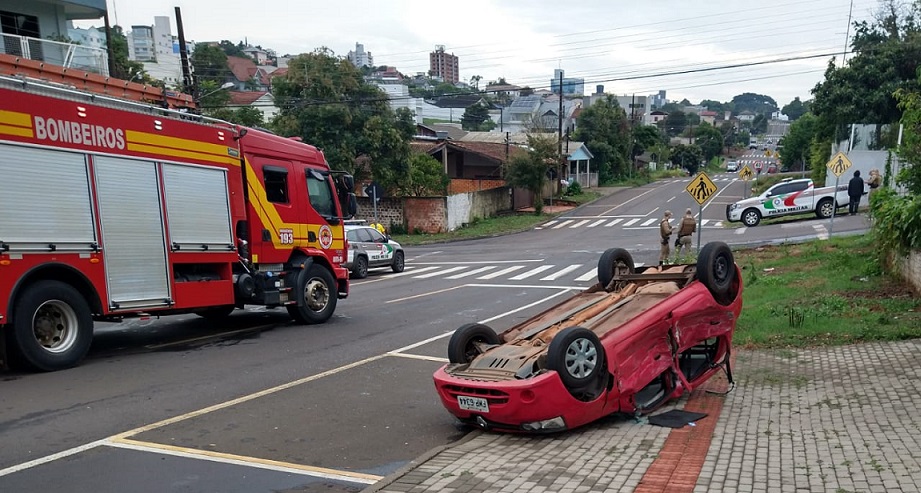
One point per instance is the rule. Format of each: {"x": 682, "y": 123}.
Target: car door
{"x": 380, "y": 251}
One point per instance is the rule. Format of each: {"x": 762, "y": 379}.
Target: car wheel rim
{"x": 54, "y": 326}
{"x": 721, "y": 269}
{"x": 316, "y": 295}
{"x": 621, "y": 269}
{"x": 750, "y": 218}
{"x": 826, "y": 210}
{"x": 581, "y": 358}
{"x": 362, "y": 268}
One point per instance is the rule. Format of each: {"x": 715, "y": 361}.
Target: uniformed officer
{"x": 665, "y": 230}
{"x": 685, "y": 234}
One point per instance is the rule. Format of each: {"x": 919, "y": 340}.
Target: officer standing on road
{"x": 685, "y": 232}
{"x": 874, "y": 182}
{"x": 665, "y": 230}
{"x": 854, "y": 191}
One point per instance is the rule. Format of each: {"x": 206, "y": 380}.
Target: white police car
{"x": 732, "y": 166}
{"x": 369, "y": 248}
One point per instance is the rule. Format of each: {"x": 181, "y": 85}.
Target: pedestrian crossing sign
{"x": 839, "y": 163}
{"x": 746, "y": 173}
{"x": 701, "y": 188}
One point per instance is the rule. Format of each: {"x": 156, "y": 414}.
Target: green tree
{"x": 687, "y": 156}
{"x": 709, "y": 139}
{"x": 714, "y": 105}
{"x": 427, "y": 177}
{"x": 910, "y": 150}
{"x": 210, "y": 65}
{"x": 795, "y": 109}
{"x": 211, "y": 96}
{"x": 476, "y": 118}
{"x": 245, "y": 115}
{"x": 231, "y": 49}
{"x": 759, "y": 124}
{"x": 124, "y": 68}
{"x": 755, "y": 103}
{"x": 797, "y": 142}
{"x": 604, "y": 129}
{"x": 529, "y": 171}
{"x": 326, "y": 101}
{"x": 675, "y": 123}
{"x": 645, "y": 137}
{"x": 475, "y": 81}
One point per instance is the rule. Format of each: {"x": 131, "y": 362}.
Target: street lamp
{"x": 226, "y": 85}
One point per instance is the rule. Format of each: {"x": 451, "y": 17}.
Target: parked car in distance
{"x": 772, "y": 168}
{"x": 732, "y": 166}
{"x": 368, "y": 248}
{"x": 636, "y": 339}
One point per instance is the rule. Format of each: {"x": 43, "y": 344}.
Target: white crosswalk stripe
{"x": 493, "y": 275}
{"x": 648, "y": 222}
{"x": 580, "y": 223}
{"x": 472, "y": 272}
{"x": 440, "y": 272}
{"x": 564, "y": 223}
{"x": 631, "y": 222}
{"x": 530, "y": 273}
{"x": 614, "y": 222}
{"x": 560, "y": 273}
{"x": 411, "y": 271}
{"x": 588, "y": 276}
{"x": 596, "y": 223}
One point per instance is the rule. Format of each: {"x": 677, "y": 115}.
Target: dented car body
{"x": 628, "y": 344}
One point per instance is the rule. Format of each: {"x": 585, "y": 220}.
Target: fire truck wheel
{"x": 315, "y": 290}
{"x": 53, "y": 326}
{"x": 614, "y": 262}
{"x": 467, "y": 340}
{"x": 577, "y": 355}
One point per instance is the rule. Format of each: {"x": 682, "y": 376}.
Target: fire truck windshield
{"x": 321, "y": 193}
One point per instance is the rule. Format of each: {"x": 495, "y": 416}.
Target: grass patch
{"x": 820, "y": 293}
{"x": 479, "y": 228}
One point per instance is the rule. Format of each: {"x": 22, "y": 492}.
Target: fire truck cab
{"x": 112, "y": 209}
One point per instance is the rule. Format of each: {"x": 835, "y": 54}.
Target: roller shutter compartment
{"x": 197, "y": 208}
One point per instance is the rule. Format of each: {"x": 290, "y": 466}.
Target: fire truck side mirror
{"x": 350, "y": 206}
{"x": 348, "y": 182}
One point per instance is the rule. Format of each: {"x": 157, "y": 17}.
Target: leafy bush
{"x": 573, "y": 189}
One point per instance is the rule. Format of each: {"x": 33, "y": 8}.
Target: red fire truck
{"x": 112, "y": 209}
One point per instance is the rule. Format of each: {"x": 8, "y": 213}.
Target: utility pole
{"x": 560, "y": 140}
{"x": 187, "y": 79}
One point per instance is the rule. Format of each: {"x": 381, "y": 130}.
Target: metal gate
{"x": 133, "y": 239}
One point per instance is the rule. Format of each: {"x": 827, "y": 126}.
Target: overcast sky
{"x": 627, "y": 47}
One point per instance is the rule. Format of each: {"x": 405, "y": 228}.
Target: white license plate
{"x": 477, "y": 404}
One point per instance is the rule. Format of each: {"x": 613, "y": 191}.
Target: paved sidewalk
{"x": 838, "y": 420}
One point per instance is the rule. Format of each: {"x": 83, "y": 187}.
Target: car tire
{"x": 751, "y": 217}
{"x": 824, "y": 209}
{"x": 360, "y": 270}
{"x": 399, "y": 261}
{"x": 613, "y": 262}
{"x": 576, "y": 354}
{"x": 716, "y": 270}
{"x": 316, "y": 295}
{"x": 462, "y": 348}
{"x": 52, "y": 327}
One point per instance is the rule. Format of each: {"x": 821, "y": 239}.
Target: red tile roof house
{"x": 261, "y": 100}
{"x": 247, "y": 75}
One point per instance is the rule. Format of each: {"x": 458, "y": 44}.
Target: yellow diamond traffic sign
{"x": 746, "y": 173}
{"x": 767, "y": 153}
{"x": 701, "y": 188}
{"x": 839, "y": 163}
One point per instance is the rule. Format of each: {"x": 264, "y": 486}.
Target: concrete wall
{"x": 910, "y": 268}
{"x": 463, "y": 208}
{"x": 436, "y": 214}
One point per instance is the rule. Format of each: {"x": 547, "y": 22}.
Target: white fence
{"x": 67, "y": 55}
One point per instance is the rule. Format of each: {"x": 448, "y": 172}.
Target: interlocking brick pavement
{"x": 838, "y": 420}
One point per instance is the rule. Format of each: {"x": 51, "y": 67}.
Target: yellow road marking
{"x": 192, "y": 453}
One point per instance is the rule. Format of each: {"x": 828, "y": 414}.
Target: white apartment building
{"x": 361, "y": 58}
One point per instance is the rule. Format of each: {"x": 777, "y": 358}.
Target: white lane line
{"x": 549, "y": 223}
{"x": 580, "y": 223}
{"x": 741, "y": 231}
{"x": 412, "y": 272}
{"x": 472, "y": 272}
{"x": 560, "y": 273}
{"x": 588, "y": 276}
{"x": 53, "y": 457}
{"x": 632, "y": 222}
{"x": 564, "y": 223}
{"x": 703, "y": 222}
{"x": 502, "y": 272}
{"x": 419, "y": 356}
{"x": 612, "y": 223}
{"x": 597, "y": 223}
{"x": 671, "y": 199}
{"x": 647, "y": 222}
{"x": 239, "y": 460}
{"x": 532, "y": 272}
{"x": 440, "y": 272}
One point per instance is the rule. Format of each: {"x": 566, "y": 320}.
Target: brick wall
{"x": 389, "y": 211}
{"x": 459, "y": 185}
{"x": 427, "y": 214}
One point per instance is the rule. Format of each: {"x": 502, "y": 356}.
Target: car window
{"x": 363, "y": 235}
{"x": 376, "y": 236}
{"x": 796, "y": 187}
{"x": 781, "y": 189}
{"x": 352, "y": 235}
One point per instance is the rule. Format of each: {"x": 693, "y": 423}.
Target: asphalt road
{"x": 260, "y": 404}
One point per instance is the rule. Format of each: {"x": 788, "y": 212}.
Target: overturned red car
{"x": 628, "y": 344}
